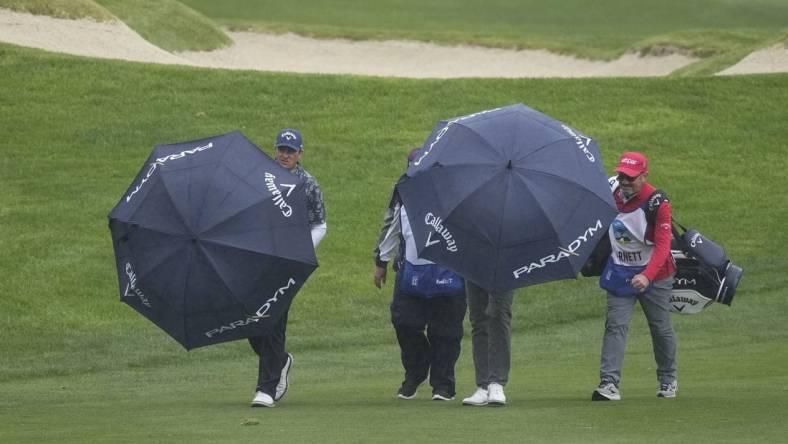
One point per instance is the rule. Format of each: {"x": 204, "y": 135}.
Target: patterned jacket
{"x": 316, "y": 210}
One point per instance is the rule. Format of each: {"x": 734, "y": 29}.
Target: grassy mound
{"x": 70, "y": 9}
{"x": 169, "y": 24}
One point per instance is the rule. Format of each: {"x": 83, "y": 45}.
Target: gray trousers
{"x": 491, "y": 333}
{"x": 656, "y": 307}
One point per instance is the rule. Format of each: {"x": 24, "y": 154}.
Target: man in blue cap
{"x": 275, "y": 362}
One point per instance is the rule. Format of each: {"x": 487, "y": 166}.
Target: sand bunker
{"x": 767, "y": 60}
{"x": 292, "y": 53}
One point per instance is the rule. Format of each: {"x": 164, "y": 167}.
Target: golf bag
{"x": 704, "y": 274}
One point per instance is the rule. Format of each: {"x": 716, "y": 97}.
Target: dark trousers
{"x": 271, "y": 349}
{"x": 436, "y": 352}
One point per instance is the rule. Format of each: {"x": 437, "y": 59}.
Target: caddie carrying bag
{"x": 704, "y": 274}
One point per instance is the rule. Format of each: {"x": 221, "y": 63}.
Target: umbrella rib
{"x": 530, "y": 118}
{"x": 139, "y": 208}
{"x": 213, "y": 176}
{"x": 249, "y": 250}
{"x": 462, "y": 198}
{"x": 479, "y": 136}
{"x": 224, "y": 283}
{"x": 500, "y": 231}
{"x": 532, "y": 152}
{"x": 574, "y": 212}
{"x": 460, "y": 201}
{"x": 546, "y": 126}
{"x": 564, "y": 179}
{"x": 183, "y": 297}
{"x": 541, "y": 208}
{"x": 153, "y": 229}
{"x": 175, "y": 207}
{"x": 141, "y": 277}
{"x": 263, "y": 198}
{"x": 242, "y": 178}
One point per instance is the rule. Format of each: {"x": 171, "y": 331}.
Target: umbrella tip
{"x": 509, "y": 165}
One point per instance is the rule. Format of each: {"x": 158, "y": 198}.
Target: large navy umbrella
{"x": 508, "y": 197}
{"x": 212, "y": 240}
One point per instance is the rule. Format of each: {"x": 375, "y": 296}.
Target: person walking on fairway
{"x": 426, "y": 296}
{"x": 640, "y": 268}
{"x": 275, "y": 363}
{"x": 490, "y": 313}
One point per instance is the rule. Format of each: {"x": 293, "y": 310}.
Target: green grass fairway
{"x": 597, "y": 29}
{"x": 78, "y": 366}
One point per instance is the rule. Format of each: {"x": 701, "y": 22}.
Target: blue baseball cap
{"x": 290, "y": 138}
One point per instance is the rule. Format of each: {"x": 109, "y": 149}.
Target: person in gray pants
{"x": 490, "y": 314}
{"x": 619, "y": 312}
{"x": 640, "y": 268}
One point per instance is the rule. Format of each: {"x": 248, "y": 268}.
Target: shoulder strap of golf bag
{"x": 652, "y": 205}
{"x": 676, "y": 233}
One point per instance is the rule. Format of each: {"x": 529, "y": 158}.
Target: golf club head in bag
{"x": 704, "y": 274}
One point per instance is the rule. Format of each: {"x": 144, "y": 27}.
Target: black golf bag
{"x": 704, "y": 274}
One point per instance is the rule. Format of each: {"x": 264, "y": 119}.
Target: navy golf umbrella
{"x": 508, "y": 197}
{"x": 212, "y": 240}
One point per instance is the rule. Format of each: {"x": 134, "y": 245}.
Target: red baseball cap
{"x": 632, "y": 164}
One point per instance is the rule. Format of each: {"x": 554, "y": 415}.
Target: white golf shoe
{"x": 479, "y": 397}
{"x": 262, "y": 400}
{"x": 495, "y": 394}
